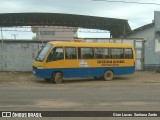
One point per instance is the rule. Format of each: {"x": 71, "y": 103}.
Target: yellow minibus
{"x": 58, "y": 60}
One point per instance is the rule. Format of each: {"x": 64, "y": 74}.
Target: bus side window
{"x": 117, "y": 53}
{"x": 106, "y": 53}
{"x": 99, "y": 53}
{"x": 85, "y": 53}
{"x": 128, "y": 53}
{"x": 70, "y": 53}
{"x": 56, "y": 54}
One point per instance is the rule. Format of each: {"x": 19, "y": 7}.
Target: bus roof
{"x": 88, "y": 44}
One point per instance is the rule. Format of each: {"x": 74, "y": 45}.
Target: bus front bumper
{"x": 40, "y": 72}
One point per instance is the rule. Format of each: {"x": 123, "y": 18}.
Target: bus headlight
{"x": 34, "y": 72}
{"x": 39, "y": 67}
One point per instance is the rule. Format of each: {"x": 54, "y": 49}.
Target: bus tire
{"x": 58, "y": 77}
{"x": 108, "y": 75}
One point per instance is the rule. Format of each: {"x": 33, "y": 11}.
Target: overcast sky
{"x": 136, "y": 14}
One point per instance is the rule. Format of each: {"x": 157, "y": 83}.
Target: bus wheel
{"x": 108, "y": 75}
{"x": 58, "y": 77}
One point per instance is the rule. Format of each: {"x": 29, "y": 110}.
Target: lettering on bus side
{"x": 110, "y": 62}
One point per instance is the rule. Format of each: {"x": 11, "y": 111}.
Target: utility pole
{"x": 2, "y": 38}
{"x": 14, "y": 35}
{"x": 1, "y": 35}
{"x": 2, "y": 60}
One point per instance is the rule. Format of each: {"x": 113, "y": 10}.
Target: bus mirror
{"x": 42, "y": 46}
{"x": 39, "y": 52}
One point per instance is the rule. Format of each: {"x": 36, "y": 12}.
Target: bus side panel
{"x": 43, "y": 73}
{"x": 89, "y": 72}
{"x": 48, "y": 73}
{"x": 98, "y": 72}
{"x": 124, "y": 70}
{"x": 83, "y": 72}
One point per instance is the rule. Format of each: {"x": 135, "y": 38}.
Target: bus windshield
{"x": 42, "y": 54}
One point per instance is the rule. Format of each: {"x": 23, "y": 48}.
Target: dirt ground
{"x": 27, "y": 79}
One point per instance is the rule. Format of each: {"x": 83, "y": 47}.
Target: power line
{"x": 150, "y": 3}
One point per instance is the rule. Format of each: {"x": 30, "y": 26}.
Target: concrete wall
{"x": 18, "y": 55}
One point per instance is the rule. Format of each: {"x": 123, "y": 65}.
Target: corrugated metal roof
{"x": 117, "y": 27}
{"x": 143, "y": 27}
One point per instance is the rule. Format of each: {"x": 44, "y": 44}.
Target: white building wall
{"x": 151, "y": 56}
{"x": 60, "y": 33}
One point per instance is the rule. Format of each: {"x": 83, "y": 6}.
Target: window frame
{"x": 79, "y": 52}
{"x": 75, "y": 53}
{"x": 110, "y": 52}
{"x": 45, "y": 33}
{"x": 102, "y": 48}
{"x": 53, "y": 53}
{"x": 131, "y": 54}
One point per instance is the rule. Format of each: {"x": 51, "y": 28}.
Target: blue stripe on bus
{"x": 83, "y": 72}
